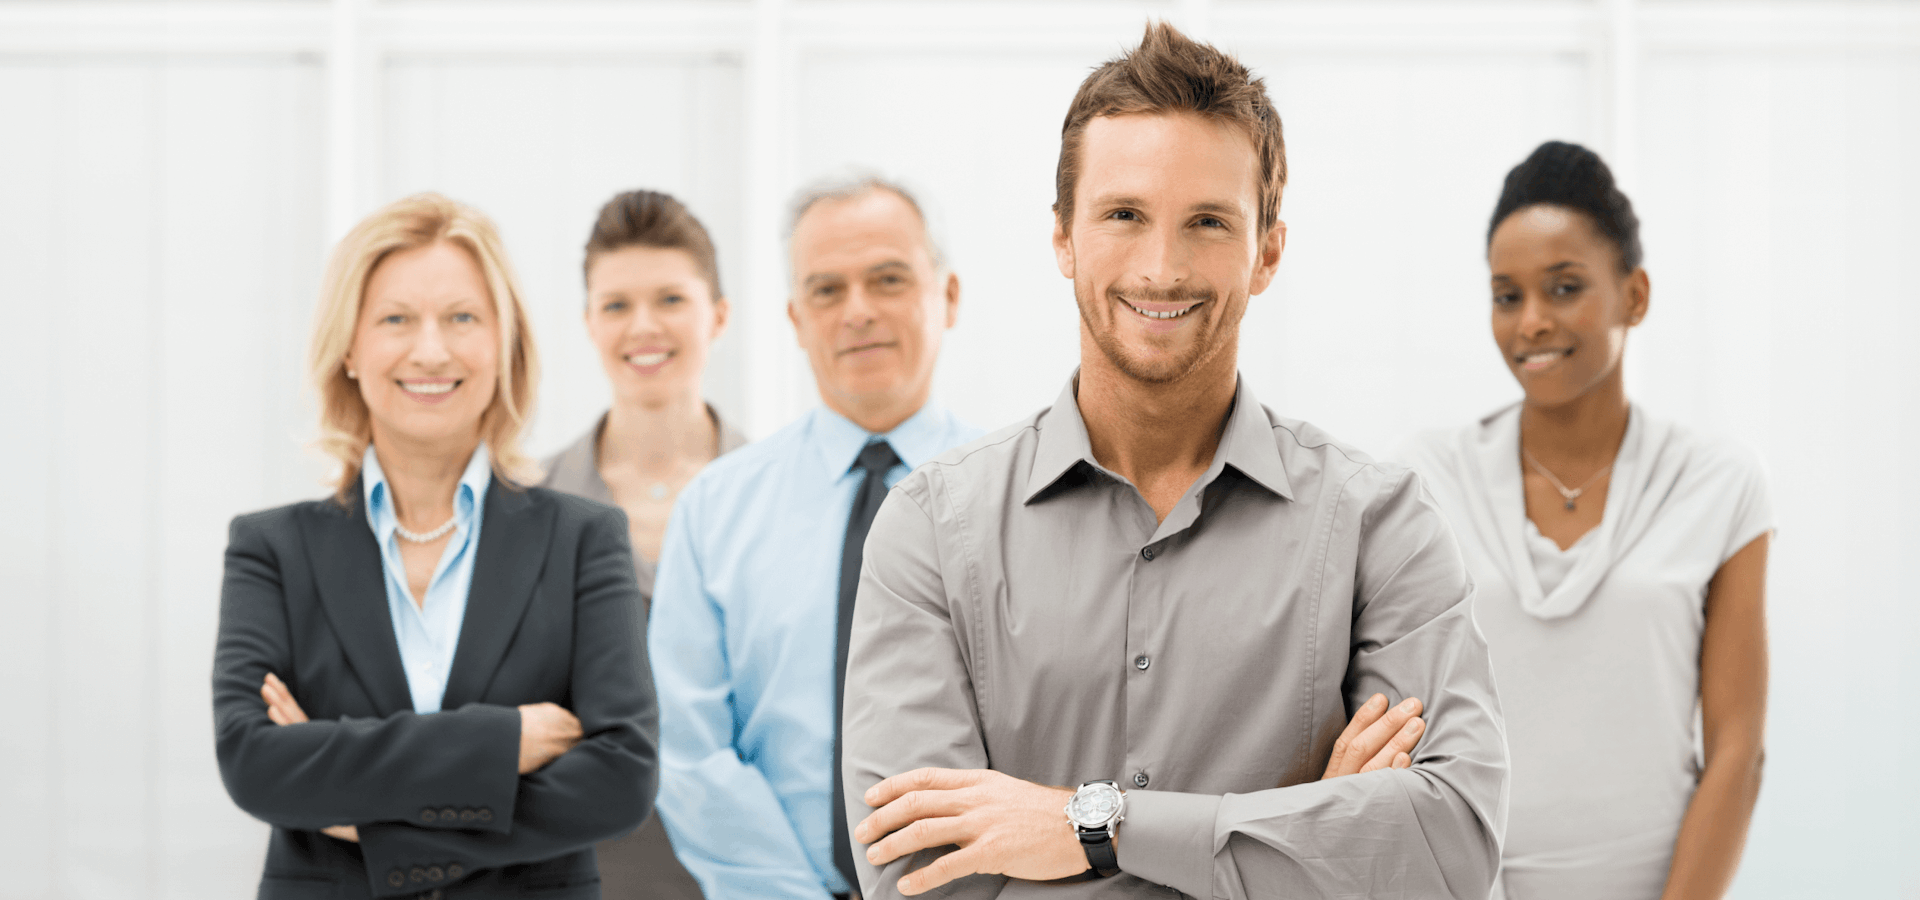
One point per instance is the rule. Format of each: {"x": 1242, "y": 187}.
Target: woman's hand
{"x": 281, "y": 707}
{"x": 284, "y": 710}
{"x": 1377, "y": 738}
{"x": 546, "y": 731}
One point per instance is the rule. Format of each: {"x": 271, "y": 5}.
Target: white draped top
{"x": 1596, "y": 649}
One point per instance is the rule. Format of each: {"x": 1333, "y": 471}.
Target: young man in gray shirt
{"x": 1158, "y": 589}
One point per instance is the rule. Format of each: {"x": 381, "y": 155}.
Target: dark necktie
{"x": 876, "y": 459}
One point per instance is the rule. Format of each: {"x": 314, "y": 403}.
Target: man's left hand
{"x": 1003, "y": 826}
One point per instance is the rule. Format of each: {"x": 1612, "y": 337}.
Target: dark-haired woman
{"x": 1620, "y": 566}
{"x": 654, "y": 308}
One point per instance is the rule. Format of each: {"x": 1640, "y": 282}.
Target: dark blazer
{"x": 440, "y": 807}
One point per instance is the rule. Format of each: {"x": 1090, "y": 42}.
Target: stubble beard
{"x": 1206, "y": 346}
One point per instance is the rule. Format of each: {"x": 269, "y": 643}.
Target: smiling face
{"x": 652, "y": 316}
{"x": 1561, "y": 306}
{"x": 869, "y": 307}
{"x": 1164, "y": 248}
{"x": 426, "y": 348}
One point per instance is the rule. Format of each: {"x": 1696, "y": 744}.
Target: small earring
{"x": 352, "y": 376}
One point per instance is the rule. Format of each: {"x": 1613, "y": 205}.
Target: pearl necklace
{"x": 426, "y": 537}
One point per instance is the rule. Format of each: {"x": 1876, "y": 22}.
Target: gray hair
{"x": 847, "y": 187}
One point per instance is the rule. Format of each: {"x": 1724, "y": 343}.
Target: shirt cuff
{"x": 1167, "y": 838}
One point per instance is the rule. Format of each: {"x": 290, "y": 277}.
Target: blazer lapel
{"x": 353, "y": 591}
{"x": 514, "y": 533}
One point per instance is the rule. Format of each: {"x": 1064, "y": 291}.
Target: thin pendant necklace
{"x": 428, "y": 537}
{"x": 1569, "y": 495}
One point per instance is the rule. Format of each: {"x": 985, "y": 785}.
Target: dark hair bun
{"x": 1569, "y": 175}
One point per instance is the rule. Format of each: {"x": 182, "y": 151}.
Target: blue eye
{"x": 394, "y": 319}
{"x": 465, "y": 317}
{"x": 1211, "y": 222}
{"x": 671, "y": 299}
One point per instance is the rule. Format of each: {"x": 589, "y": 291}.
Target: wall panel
{"x": 31, "y": 94}
{"x": 102, "y": 726}
{"x": 1779, "y": 205}
{"x": 238, "y": 221}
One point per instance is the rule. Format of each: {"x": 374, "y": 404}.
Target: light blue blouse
{"x": 429, "y": 632}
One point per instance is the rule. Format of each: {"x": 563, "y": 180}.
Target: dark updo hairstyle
{"x": 652, "y": 219}
{"x": 1571, "y": 176}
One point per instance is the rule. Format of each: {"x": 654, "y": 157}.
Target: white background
{"x": 171, "y": 176}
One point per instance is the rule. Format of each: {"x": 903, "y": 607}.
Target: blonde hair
{"x": 418, "y": 221}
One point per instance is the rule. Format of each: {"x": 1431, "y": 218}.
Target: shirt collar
{"x": 838, "y": 440}
{"x": 1246, "y": 444}
{"x": 467, "y": 495}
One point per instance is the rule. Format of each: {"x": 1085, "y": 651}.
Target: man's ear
{"x": 721, "y": 310}
{"x": 1062, "y": 246}
{"x": 953, "y": 299}
{"x": 1272, "y": 244}
{"x": 793, "y": 316}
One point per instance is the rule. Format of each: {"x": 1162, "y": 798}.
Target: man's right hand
{"x": 546, "y": 731}
{"x": 1377, "y": 738}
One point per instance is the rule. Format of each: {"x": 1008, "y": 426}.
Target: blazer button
{"x": 449, "y": 815}
{"x": 435, "y": 873}
{"x": 1139, "y": 779}
{"x": 427, "y": 816}
{"x": 455, "y": 870}
{"x": 486, "y": 815}
{"x": 466, "y": 817}
{"x": 418, "y": 874}
{"x": 396, "y": 878}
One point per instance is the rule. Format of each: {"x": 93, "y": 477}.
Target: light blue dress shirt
{"x": 429, "y": 632}
{"x": 742, "y": 642}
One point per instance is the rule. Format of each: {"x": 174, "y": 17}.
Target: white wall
{"x": 171, "y": 175}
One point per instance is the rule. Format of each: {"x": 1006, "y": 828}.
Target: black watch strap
{"x": 1098, "y": 842}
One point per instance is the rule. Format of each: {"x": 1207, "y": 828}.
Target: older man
{"x": 761, "y": 557}
{"x": 1160, "y": 590}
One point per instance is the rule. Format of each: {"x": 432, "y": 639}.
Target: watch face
{"x": 1094, "y": 805}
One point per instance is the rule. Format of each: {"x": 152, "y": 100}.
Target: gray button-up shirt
{"x": 1021, "y": 610}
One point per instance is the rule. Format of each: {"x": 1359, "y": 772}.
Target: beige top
{"x": 576, "y": 470}
{"x": 1020, "y": 609}
{"x": 640, "y": 865}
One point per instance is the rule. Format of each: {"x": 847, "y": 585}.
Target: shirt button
{"x": 1146, "y": 553}
{"x": 1139, "y": 779}
{"x": 1141, "y": 662}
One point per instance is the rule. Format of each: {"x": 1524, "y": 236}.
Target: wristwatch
{"x": 1093, "y": 812}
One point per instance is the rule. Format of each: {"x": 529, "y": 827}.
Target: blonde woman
{"x": 654, "y": 309}
{"x": 430, "y": 681}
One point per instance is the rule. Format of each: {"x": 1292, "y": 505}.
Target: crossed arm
{"x": 546, "y": 731}
{"x": 1006, "y": 826}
